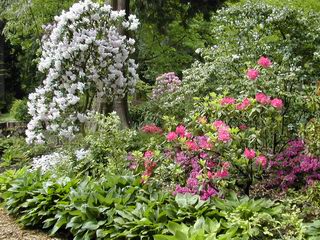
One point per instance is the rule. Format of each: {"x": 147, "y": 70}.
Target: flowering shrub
{"x": 165, "y": 84}
{"x": 84, "y": 57}
{"x": 225, "y": 141}
{"x": 293, "y": 167}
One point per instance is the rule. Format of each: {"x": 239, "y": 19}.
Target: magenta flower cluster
{"x": 294, "y": 168}
{"x": 166, "y": 83}
{"x": 253, "y": 74}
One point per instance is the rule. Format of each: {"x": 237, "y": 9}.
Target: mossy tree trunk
{"x": 120, "y": 105}
{"x": 3, "y": 69}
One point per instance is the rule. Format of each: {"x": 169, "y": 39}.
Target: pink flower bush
{"x": 227, "y": 101}
{"x": 249, "y": 153}
{"x": 151, "y": 128}
{"x": 293, "y": 167}
{"x": 244, "y": 104}
{"x": 181, "y": 130}
{"x": 262, "y": 98}
{"x": 219, "y": 123}
{"x": 192, "y": 146}
{"x": 172, "y": 136}
{"x": 224, "y": 134}
{"x": 264, "y": 62}
{"x": 148, "y": 154}
{"x": 252, "y": 74}
{"x": 261, "y": 161}
{"x": 166, "y": 83}
{"x": 277, "y": 103}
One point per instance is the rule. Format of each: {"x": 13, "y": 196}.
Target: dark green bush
{"x": 19, "y": 110}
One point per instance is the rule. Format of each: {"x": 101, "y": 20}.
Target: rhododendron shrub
{"x": 84, "y": 57}
{"x": 293, "y": 167}
{"x": 165, "y": 84}
{"x": 225, "y": 143}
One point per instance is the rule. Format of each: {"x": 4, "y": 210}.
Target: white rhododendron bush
{"x": 85, "y": 56}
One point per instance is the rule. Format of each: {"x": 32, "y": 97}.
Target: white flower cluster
{"x": 47, "y": 162}
{"x": 81, "y": 154}
{"x": 84, "y": 54}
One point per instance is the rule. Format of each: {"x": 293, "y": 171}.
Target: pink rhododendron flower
{"x": 204, "y": 142}
{"x": 249, "y": 153}
{"x": 172, "y": 136}
{"x": 151, "y": 128}
{"x": 227, "y": 101}
{"x": 252, "y": 74}
{"x": 277, "y": 103}
{"x": 209, "y": 192}
{"x": 226, "y": 165}
{"x": 211, "y": 164}
{"x": 221, "y": 173}
{"x": 192, "y": 146}
{"x": 264, "y": 62}
{"x": 188, "y": 135}
{"x": 261, "y": 160}
{"x": 148, "y": 154}
{"x": 181, "y": 130}
{"x": 245, "y": 103}
{"x": 203, "y": 155}
{"x": 262, "y": 98}
{"x": 218, "y": 123}
{"x": 224, "y": 134}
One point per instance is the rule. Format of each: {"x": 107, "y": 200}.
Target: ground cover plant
{"x": 225, "y": 149}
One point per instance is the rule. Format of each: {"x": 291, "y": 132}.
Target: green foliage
{"x": 307, "y": 5}
{"x": 23, "y": 29}
{"x": 108, "y": 145}
{"x": 310, "y": 134}
{"x": 7, "y": 177}
{"x": 119, "y": 207}
{"x": 19, "y": 110}
{"x": 15, "y": 152}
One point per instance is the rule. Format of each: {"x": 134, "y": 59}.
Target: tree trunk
{"x": 120, "y": 105}
{"x": 3, "y": 69}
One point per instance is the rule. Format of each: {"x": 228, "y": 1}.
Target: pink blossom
{"x": 249, "y": 153}
{"x": 262, "y": 98}
{"x": 151, "y": 128}
{"x": 172, "y": 136}
{"x": 252, "y": 74}
{"x": 226, "y": 165}
{"x": 148, "y": 154}
{"x": 181, "y": 130}
{"x": 188, "y": 135}
{"x": 221, "y": 173}
{"x": 204, "y": 142}
{"x": 261, "y": 160}
{"x": 264, "y": 62}
{"x": 277, "y": 103}
{"x": 218, "y": 123}
{"x": 203, "y": 155}
{"x": 192, "y": 146}
{"x": 227, "y": 101}
{"x": 245, "y": 103}
{"x": 224, "y": 134}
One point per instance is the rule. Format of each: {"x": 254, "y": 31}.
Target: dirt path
{"x": 10, "y": 230}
